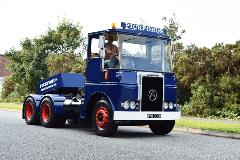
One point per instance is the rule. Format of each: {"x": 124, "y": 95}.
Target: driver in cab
{"x": 111, "y": 53}
{"x": 111, "y": 50}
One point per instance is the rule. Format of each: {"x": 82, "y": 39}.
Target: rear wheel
{"x": 29, "y": 111}
{"x": 162, "y": 127}
{"x": 103, "y": 119}
{"x": 47, "y": 117}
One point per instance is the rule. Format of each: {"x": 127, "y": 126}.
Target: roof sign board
{"x": 143, "y": 29}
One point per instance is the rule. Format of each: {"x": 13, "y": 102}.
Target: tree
{"x": 66, "y": 38}
{"x": 209, "y": 80}
{"x": 30, "y": 64}
{"x": 8, "y": 87}
{"x": 175, "y": 32}
{"x": 68, "y": 62}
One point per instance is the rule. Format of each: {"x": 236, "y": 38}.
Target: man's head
{"x": 110, "y": 39}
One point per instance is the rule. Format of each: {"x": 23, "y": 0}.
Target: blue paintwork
{"x": 116, "y": 93}
{"x": 58, "y": 103}
{"x": 66, "y": 80}
{"x": 170, "y": 90}
{"x": 94, "y": 70}
{"x": 127, "y": 77}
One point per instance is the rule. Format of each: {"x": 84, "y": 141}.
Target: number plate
{"x": 153, "y": 115}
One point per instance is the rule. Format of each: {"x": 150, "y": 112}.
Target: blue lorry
{"x": 137, "y": 87}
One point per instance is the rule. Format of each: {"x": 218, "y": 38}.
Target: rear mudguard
{"x": 36, "y": 99}
{"x": 57, "y": 100}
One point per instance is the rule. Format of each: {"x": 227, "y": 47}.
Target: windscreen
{"x": 143, "y": 53}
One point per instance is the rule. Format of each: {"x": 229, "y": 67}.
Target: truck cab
{"x": 136, "y": 86}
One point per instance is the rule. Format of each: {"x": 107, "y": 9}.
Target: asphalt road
{"x": 21, "y": 141}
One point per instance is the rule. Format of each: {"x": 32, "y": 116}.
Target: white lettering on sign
{"x": 127, "y": 25}
{"x": 48, "y": 82}
{"x": 141, "y": 27}
{"x": 50, "y": 86}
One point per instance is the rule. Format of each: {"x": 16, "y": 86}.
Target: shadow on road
{"x": 123, "y": 132}
{"x": 79, "y": 127}
{"x": 130, "y": 133}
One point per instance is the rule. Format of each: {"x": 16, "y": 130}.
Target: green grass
{"x": 211, "y": 126}
{"x": 15, "y": 106}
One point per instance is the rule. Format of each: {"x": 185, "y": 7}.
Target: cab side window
{"x": 94, "y": 48}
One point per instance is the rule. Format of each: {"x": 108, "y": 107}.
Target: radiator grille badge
{"x": 152, "y": 95}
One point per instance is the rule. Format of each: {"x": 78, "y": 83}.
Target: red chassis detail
{"x": 102, "y": 117}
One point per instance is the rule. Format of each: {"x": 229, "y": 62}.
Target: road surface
{"x": 21, "y": 141}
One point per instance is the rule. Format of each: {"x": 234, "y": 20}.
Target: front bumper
{"x": 128, "y": 115}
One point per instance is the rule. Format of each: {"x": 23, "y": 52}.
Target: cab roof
{"x": 134, "y": 29}
{"x": 162, "y": 36}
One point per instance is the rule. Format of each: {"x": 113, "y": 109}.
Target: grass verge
{"x": 211, "y": 126}
{"x": 15, "y": 106}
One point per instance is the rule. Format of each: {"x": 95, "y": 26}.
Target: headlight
{"x": 170, "y": 105}
{"x": 132, "y": 105}
{"x": 126, "y": 105}
{"x": 165, "y": 105}
{"x": 175, "y": 105}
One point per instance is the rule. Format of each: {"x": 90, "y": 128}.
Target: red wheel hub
{"x": 102, "y": 117}
{"x": 29, "y": 111}
{"x": 46, "y": 112}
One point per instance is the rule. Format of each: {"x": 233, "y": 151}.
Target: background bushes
{"x": 209, "y": 80}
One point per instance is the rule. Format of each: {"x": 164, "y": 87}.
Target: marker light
{"x": 126, "y": 105}
{"x": 132, "y": 105}
{"x": 114, "y": 25}
{"x": 165, "y": 105}
{"x": 175, "y": 105}
{"x": 170, "y": 105}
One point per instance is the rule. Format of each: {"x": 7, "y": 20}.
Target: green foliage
{"x": 66, "y": 38}
{"x": 13, "y": 97}
{"x": 8, "y": 87}
{"x": 28, "y": 65}
{"x": 69, "y": 62}
{"x": 209, "y": 80}
{"x": 175, "y": 32}
{"x": 173, "y": 27}
{"x": 33, "y": 61}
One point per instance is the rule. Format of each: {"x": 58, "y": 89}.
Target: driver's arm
{"x": 116, "y": 51}
{"x": 107, "y": 52}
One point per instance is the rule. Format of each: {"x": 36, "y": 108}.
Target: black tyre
{"x": 103, "y": 119}
{"x": 162, "y": 127}
{"x": 29, "y": 112}
{"x": 47, "y": 117}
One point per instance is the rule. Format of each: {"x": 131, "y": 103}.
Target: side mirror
{"x": 101, "y": 44}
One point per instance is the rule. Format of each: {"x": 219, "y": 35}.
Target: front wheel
{"x": 162, "y": 127}
{"x": 103, "y": 119}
